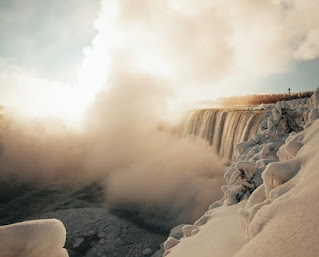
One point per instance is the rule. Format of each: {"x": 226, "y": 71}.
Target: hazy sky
{"x": 63, "y": 51}
{"x": 47, "y": 37}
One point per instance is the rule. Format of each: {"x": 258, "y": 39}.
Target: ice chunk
{"x": 278, "y": 173}
{"x": 248, "y": 168}
{"x": 242, "y": 147}
{"x": 40, "y": 238}
{"x": 177, "y": 232}
{"x": 256, "y": 197}
{"x": 170, "y": 242}
{"x": 289, "y": 150}
{"x": 313, "y": 101}
{"x": 313, "y": 114}
{"x": 201, "y": 221}
{"x": 187, "y": 230}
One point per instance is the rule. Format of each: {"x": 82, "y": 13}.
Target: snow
{"x": 177, "y": 232}
{"x": 37, "y": 238}
{"x": 220, "y": 236}
{"x": 288, "y": 221}
{"x": 277, "y": 172}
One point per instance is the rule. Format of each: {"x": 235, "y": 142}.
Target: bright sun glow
{"x": 42, "y": 98}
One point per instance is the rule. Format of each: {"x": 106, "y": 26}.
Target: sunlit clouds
{"x": 199, "y": 49}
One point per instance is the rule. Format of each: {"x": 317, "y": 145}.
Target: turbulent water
{"x": 222, "y": 129}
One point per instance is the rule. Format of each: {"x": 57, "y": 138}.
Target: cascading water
{"x": 222, "y": 129}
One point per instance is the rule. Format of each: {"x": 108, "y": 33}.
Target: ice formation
{"x": 37, "y": 238}
{"x": 272, "y": 189}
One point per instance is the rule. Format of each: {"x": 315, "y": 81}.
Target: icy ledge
{"x": 272, "y": 193}
{"x": 37, "y": 238}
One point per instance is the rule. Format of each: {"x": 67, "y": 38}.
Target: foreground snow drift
{"x": 217, "y": 233}
{"x": 286, "y": 222}
{"x": 277, "y": 172}
{"x": 38, "y": 238}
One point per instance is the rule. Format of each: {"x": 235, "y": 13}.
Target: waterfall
{"x": 222, "y": 129}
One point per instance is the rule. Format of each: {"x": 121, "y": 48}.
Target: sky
{"x": 47, "y": 37}
{"x": 55, "y": 56}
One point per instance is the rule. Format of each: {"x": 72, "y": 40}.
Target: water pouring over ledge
{"x": 221, "y": 128}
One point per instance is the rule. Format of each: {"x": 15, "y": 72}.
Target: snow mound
{"x": 283, "y": 212}
{"x": 220, "y": 236}
{"x": 37, "y": 238}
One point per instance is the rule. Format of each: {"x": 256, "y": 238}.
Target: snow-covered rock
{"x": 285, "y": 216}
{"x": 37, "y": 238}
{"x": 170, "y": 242}
{"x": 277, "y": 172}
{"x": 221, "y": 236}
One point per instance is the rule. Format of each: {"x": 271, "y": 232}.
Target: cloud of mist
{"x": 206, "y": 48}
{"x": 127, "y": 146}
{"x": 145, "y": 165}
{"x": 31, "y": 151}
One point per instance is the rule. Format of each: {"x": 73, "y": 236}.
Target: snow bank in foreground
{"x": 217, "y": 233}
{"x": 38, "y": 238}
{"x": 277, "y": 172}
{"x": 286, "y": 222}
